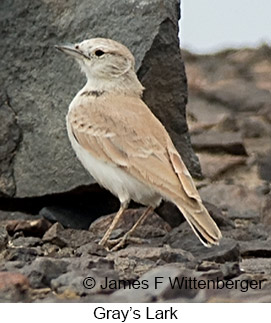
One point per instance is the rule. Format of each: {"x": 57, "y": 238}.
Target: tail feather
{"x": 202, "y": 224}
{"x": 190, "y": 204}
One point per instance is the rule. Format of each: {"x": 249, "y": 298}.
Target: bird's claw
{"x": 116, "y": 244}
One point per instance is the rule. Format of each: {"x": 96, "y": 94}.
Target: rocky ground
{"x": 47, "y": 257}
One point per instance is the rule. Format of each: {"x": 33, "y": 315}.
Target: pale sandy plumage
{"x": 122, "y": 144}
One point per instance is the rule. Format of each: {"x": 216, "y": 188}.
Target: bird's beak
{"x": 72, "y": 51}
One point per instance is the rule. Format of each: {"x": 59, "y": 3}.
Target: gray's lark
{"x": 123, "y": 145}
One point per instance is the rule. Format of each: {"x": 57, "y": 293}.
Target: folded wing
{"x": 123, "y": 131}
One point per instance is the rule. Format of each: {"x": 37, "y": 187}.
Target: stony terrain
{"x": 46, "y": 256}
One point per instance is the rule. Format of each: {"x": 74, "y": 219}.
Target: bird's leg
{"x": 114, "y": 223}
{"x": 127, "y": 234}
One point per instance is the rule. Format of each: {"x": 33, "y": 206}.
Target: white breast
{"x": 113, "y": 178}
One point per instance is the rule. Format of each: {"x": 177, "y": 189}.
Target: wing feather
{"x": 123, "y": 131}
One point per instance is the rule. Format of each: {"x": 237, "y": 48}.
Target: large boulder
{"x": 38, "y": 83}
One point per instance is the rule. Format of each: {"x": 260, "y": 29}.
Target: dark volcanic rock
{"x": 159, "y": 291}
{"x": 69, "y": 218}
{"x": 43, "y": 270}
{"x": 26, "y": 242}
{"x": 22, "y": 254}
{"x": 67, "y": 237}
{"x": 238, "y": 95}
{"x": 13, "y": 287}
{"x": 7, "y": 216}
{"x": 245, "y": 231}
{"x": 54, "y": 235}
{"x": 239, "y": 201}
{"x": 72, "y": 282}
{"x": 256, "y": 248}
{"x": 174, "y": 283}
{"x": 214, "y": 141}
{"x": 80, "y": 272}
{"x": 228, "y": 250}
{"x": 266, "y": 212}
{"x": 3, "y": 238}
{"x": 132, "y": 262}
{"x": 241, "y": 293}
{"x": 130, "y": 216}
{"x": 203, "y": 112}
{"x": 220, "y": 219}
{"x": 34, "y": 228}
{"x": 91, "y": 248}
{"x": 183, "y": 237}
{"x": 170, "y": 213}
{"x": 169, "y": 91}
{"x": 9, "y": 139}
{"x": 264, "y": 166}
{"x": 257, "y": 265}
{"x": 40, "y": 83}
{"x": 228, "y": 269}
{"x": 253, "y": 127}
{"x": 215, "y": 165}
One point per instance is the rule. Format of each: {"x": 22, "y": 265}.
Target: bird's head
{"x": 102, "y": 60}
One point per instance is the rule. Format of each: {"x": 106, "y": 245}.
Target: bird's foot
{"x": 116, "y": 244}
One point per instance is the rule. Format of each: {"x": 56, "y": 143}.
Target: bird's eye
{"x": 99, "y": 53}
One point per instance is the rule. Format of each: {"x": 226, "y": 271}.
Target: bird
{"x": 123, "y": 146}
